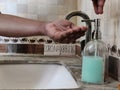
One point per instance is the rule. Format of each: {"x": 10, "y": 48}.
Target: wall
{"x": 44, "y": 10}
{"x": 110, "y": 20}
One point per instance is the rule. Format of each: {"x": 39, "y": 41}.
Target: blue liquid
{"x": 93, "y": 69}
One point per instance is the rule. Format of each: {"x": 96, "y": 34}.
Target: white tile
{"x": 11, "y": 8}
{"x": 67, "y": 49}
{"x": 51, "y": 49}
{"x": 22, "y": 1}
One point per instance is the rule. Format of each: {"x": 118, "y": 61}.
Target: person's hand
{"x": 64, "y": 31}
{"x": 98, "y": 6}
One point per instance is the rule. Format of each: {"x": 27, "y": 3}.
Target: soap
{"x": 93, "y": 69}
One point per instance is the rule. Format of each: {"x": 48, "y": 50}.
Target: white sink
{"x": 36, "y": 76}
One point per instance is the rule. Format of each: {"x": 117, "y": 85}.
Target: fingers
{"x": 95, "y": 5}
{"x": 70, "y": 36}
{"x": 64, "y": 31}
{"x": 98, "y": 6}
{"x": 66, "y": 23}
{"x": 63, "y": 24}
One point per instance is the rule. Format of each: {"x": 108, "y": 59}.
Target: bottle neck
{"x": 97, "y": 33}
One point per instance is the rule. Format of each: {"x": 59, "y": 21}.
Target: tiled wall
{"x": 43, "y": 10}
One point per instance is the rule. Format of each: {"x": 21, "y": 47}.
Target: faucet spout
{"x": 88, "y": 22}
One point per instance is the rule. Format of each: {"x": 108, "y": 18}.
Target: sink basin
{"x": 36, "y": 76}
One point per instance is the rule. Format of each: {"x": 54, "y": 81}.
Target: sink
{"x": 36, "y": 76}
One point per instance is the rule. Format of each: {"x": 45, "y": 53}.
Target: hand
{"x": 64, "y": 31}
{"x": 98, "y": 6}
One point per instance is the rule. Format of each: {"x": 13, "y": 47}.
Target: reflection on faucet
{"x": 88, "y": 23}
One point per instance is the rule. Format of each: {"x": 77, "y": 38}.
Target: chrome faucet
{"x": 86, "y": 20}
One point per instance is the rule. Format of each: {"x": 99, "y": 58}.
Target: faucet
{"x": 88, "y": 24}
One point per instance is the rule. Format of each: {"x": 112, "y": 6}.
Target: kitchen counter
{"x": 73, "y": 63}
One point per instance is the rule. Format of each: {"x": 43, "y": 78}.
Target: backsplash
{"x": 60, "y": 49}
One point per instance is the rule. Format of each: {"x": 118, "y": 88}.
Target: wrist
{"x": 47, "y": 27}
{"x": 42, "y": 28}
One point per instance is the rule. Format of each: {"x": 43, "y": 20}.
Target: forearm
{"x": 13, "y": 26}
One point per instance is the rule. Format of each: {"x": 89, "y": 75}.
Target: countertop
{"x": 73, "y": 63}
